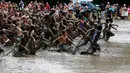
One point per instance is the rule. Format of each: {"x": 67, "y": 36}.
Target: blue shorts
{"x": 61, "y": 46}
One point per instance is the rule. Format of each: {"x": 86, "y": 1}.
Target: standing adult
{"x": 124, "y": 12}
{"x": 117, "y": 10}
{"x": 47, "y": 7}
{"x": 103, "y": 11}
{"x": 76, "y": 8}
{"x": 128, "y": 13}
{"x": 21, "y": 5}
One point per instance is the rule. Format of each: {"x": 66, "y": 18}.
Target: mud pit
{"x": 114, "y": 58}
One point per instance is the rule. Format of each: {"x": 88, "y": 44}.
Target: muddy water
{"x": 114, "y": 58}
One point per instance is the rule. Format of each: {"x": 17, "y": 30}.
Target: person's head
{"x": 94, "y": 17}
{"x": 35, "y": 1}
{"x": 71, "y": 1}
{"x": 26, "y": 33}
{"x": 47, "y": 3}
{"x": 32, "y": 27}
{"x": 117, "y": 4}
{"x": 80, "y": 16}
{"x": 5, "y": 15}
{"x": 77, "y": 3}
{"x": 54, "y": 7}
{"x": 114, "y": 4}
{"x": 21, "y": 1}
{"x": 108, "y": 3}
{"x": 61, "y": 13}
{"x": 70, "y": 25}
{"x": 70, "y": 10}
{"x": 9, "y": 2}
{"x": 3, "y": 0}
{"x": 124, "y": 5}
{"x": 31, "y": 2}
{"x": 52, "y": 11}
{"x": 102, "y": 4}
{"x": 64, "y": 33}
{"x": 16, "y": 15}
{"x": 18, "y": 24}
{"x": 99, "y": 27}
{"x": 29, "y": 21}
{"x": 4, "y": 21}
{"x": 95, "y": 24}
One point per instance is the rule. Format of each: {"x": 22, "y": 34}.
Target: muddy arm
{"x": 46, "y": 40}
{"x": 24, "y": 48}
{"x": 80, "y": 29}
{"x": 62, "y": 24}
{"x": 90, "y": 21}
{"x": 114, "y": 28}
{"x": 51, "y": 32}
{"x": 89, "y": 30}
{"x": 56, "y": 39}
{"x": 31, "y": 35}
{"x": 114, "y": 25}
{"x": 70, "y": 41}
{"x": 67, "y": 34}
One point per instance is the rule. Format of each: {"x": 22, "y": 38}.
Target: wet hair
{"x": 95, "y": 25}
{"x": 99, "y": 27}
{"x": 5, "y": 15}
{"x": 18, "y": 23}
{"x": 94, "y": 16}
{"x": 99, "y": 18}
{"x": 20, "y": 14}
{"x": 63, "y": 32}
{"x": 4, "y": 20}
{"x": 16, "y": 14}
{"x": 80, "y": 16}
{"x": 29, "y": 20}
{"x": 32, "y": 27}
{"x": 1, "y": 15}
{"x": 52, "y": 12}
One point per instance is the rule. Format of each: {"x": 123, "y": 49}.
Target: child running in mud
{"x": 63, "y": 39}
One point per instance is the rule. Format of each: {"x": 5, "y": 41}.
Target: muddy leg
{"x": 1, "y": 50}
{"x": 86, "y": 40}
